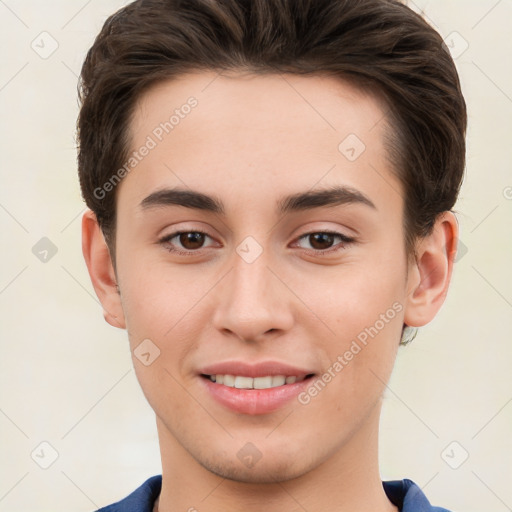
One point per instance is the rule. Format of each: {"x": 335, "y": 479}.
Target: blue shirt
{"x": 404, "y": 494}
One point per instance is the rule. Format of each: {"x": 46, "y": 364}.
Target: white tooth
{"x": 262, "y": 382}
{"x": 243, "y": 382}
{"x": 278, "y": 380}
{"x": 229, "y": 380}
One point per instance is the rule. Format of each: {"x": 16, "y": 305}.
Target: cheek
{"x": 358, "y": 362}
{"x": 343, "y": 300}
{"x": 355, "y": 322}
{"x": 169, "y": 309}
{"x": 159, "y": 300}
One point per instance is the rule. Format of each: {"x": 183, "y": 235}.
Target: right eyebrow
{"x": 180, "y": 197}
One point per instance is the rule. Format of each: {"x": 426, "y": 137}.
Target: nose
{"x": 252, "y": 302}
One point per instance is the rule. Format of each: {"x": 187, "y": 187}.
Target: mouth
{"x": 260, "y": 395}
{"x": 254, "y": 383}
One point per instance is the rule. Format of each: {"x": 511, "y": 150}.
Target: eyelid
{"x": 326, "y": 231}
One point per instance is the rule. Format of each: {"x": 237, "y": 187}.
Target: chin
{"x": 263, "y": 471}
{"x": 264, "y": 474}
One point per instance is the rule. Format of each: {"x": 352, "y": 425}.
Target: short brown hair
{"x": 380, "y": 45}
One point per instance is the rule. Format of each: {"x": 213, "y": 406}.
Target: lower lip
{"x": 254, "y": 401}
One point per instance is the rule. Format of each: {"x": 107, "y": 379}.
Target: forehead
{"x": 240, "y": 131}
{"x": 291, "y": 104}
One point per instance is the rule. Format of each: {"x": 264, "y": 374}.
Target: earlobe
{"x": 101, "y": 271}
{"x": 429, "y": 276}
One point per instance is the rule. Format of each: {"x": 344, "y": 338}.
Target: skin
{"x": 250, "y": 141}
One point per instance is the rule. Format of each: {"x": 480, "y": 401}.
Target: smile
{"x": 242, "y": 395}
{"x": 267, "y": 382}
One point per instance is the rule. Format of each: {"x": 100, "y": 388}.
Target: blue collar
{"x": 405, "y": 494}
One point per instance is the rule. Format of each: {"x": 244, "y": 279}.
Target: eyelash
{"x": 345, "y": 241}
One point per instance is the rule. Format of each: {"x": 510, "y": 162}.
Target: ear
{"x": 429, "y": 276}
{"x": 99, "y": 264}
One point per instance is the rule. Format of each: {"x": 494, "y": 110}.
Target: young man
{"x": 270, "y": 185}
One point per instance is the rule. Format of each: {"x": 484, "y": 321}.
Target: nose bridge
{"x": 251, "y": 283}
{"x": 251, "y": 300}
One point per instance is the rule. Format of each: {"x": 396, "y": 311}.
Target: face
{"x": 268, "y": 270}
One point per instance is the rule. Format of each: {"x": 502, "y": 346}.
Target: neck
{"x": 348, "y": 480}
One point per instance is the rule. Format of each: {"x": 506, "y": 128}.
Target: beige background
{"x": 66, "y": 376}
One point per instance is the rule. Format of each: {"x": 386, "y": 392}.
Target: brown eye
{"x": 324, "y": 241}
{"x": 321, "y": 241}
{"x": 185, "y": 242}
{"x": 191, "y": 240}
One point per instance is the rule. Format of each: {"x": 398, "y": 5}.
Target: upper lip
{"x": 261, "y": 369}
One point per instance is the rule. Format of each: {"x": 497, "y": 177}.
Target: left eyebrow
{"x": 318, "y": 198}
{"x": 332, "y": 196}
